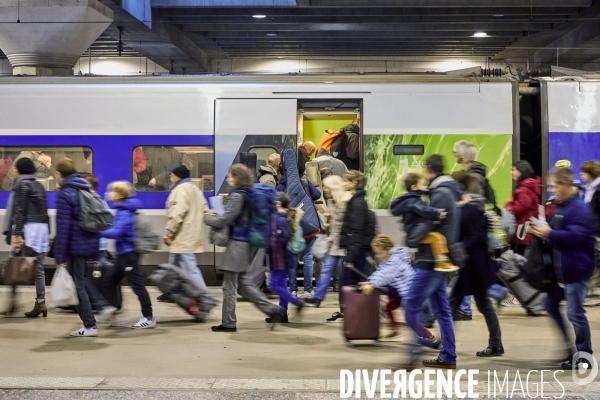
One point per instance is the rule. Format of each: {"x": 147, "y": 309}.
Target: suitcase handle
{"x": 366, "y": 278}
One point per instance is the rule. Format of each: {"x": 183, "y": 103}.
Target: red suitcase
{"x": 361, "y": 315}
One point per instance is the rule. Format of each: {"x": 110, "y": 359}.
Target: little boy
{"x": 416, "y": 215}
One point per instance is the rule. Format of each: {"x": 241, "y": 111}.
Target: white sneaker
{"x": 295, "y": 294}
{"x": 106, "y": 315}
{"x": 120, "y": 320}
{"x": 84, "y": 332}
{"x": 510, "y": 303}
{"x": 307, "y": 295}
{"x": 145, "y": 323}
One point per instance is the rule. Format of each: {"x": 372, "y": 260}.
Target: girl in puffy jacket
{"x": 281, "y": 259}
{"x": 127, "y": 261}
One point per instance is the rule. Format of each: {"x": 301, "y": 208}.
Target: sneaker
{"x": 299, "y": 308}
{"x": 295, "y": 293}
{"x": 120, "y": 320}
{"x": 307, "y": 295}
{"x": 581, "y": 364}
{"x": 510, "y": 303}
{"x": 284, "y": 320}
{"x": 277, "y": 319}
{"x": 462, "y": 317}
{"x": 222, "y": 328}
{"x": 445, "y": 266}
{"x": 336, "y": 317}
{"x": 430, "y": 342}
{"x": 437, "y": 363}
{"x": 106, "y": 315}
{"x": 85, "y": 332}
{"x": 491, "y": 352}
{"x": 336, "y": 289}
{"x": 314, "y": 301}
{"x": 163, "y": 298}
{"x": 145, "y": 323}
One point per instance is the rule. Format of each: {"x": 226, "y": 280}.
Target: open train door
{"x": 243, "y": 125}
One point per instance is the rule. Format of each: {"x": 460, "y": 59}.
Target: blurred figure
{"x": 27, "y": 219}
{"x": 335, "y": 166}
{"x": 161, "y": 161}
{"x": 42, "y": 164}
{"x": 269, "y": 173}
{"x": 347, "y": 149}
{"x": 465, "y": 154}
{"x": 590, "y": 174}
{"x": 304, "y": 152}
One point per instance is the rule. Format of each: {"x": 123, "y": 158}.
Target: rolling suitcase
{"x": 180, "y": 287}
{"x": 511, "y": 276}
{"x": 99, "y": 282}
{"x": 361, "y": 314}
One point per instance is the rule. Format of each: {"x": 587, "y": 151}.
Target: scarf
{"x": 591, "y": 189}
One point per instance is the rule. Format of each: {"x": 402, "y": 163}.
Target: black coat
{"x": 303, "y": 158}
{"x": 480, "y": 270}
{"x": 347, "y": 149}
{"x": 352, "y": 235}
{"x": 595, "y": 204}
{"x": 29, "y": 203}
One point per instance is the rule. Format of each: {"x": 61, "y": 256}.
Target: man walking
{"x": 427, "y": 283}
{"x": 571, "y": 235}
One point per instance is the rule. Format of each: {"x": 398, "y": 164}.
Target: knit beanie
{"x": 181, "y": 172}
{"x": 25, "y": 166}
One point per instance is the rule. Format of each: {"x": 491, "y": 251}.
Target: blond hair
{"x": 336, "y": 186}
{"x": 382, "y": 242}
{"x": 122, "y": 188}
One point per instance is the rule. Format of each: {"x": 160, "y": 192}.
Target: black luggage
{"x": 511, "y": 276}
{"x": 538, "y": 271}
{"x": 99, "y": 281}
{"x": 180, "y": 287}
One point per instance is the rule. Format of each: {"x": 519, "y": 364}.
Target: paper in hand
{"x": 216, "y": 204}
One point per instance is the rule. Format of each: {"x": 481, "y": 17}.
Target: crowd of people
{"x": 446, "y": 219}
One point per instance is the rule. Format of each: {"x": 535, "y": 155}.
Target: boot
{"x": 39, "y": 308}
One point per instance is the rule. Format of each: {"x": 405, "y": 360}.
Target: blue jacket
{"x": 396, "y": 271}
{"x": 414, "y": 210}
{"x": 123, "y": 229}
{"x": 572, "y": 239}
{"x": 70, "y": 239}
{"x": 279, "y": 257}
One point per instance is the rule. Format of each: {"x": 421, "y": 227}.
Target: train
{"x": 115, "y": 127}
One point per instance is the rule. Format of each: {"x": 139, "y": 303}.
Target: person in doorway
{"x": 27, "y": 220}
{"x": 427, "y": 283}
{"x": 465, "y": 154}
{"x": 304, "y": 152}
{"x": 347, "y": 149}
{"x": 73, "y": 245}
{"x": 238, "y": 253}
{"x": 184, "y": 232}
{"x": 269, "y": 173}
{"x": 326, "y": 160}
{"x": 480, "y": 270}
{"x": 571, "y": 235}
{"x": 127, "y": 262}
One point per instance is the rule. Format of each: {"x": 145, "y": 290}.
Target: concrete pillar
{"x": 51, "y": 34}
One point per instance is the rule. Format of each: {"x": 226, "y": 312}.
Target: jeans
{"x": 189, "y": 264}
{"x": 237, "y": 282}
{"x": 484, "y": 306}
{"x": 349, "y": 278}
{"x": 40, "y": 282}
{"x": 278, "y": 285}
{"x": 431, "y": 285}
{"x": 308, "y": 269}
{"x": 329, "y": 267}
{"x": 127, "y": 265}
{"x": 574, "y": 294}
{"x": 76, "y": 268}
{"x": 495, "y": 291}
{"x": 465, "y": 306}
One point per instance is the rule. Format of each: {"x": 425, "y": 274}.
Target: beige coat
{"x": 185, "y": 219}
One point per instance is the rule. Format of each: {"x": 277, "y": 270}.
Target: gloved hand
{"x": 366, "y": 287}
{"x": 7, "y": 239}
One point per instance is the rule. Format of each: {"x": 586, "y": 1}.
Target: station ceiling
{"x": 189, "y": 34}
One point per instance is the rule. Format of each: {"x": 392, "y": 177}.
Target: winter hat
{"x": 25, "y": 166}
{"x": 181, "y": 172}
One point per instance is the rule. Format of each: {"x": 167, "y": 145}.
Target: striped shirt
{"x": 396, "y": 271}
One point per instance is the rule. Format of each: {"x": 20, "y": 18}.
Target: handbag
{"x": 19, "y": 270}
{"x": 320, "y": 247}
{"x": 219, "y": 237}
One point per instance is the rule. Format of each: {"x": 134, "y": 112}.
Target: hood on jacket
{"x": 534, "y": 184}
{"x": 267, "y": 169}
{"x": 131, "y": 204}
{"x": 402, "y": 204}
{"x": 478, "y": 168}
{"x": 449, "y": 183}
{"x": 351, "y": 128}
{"x": 75, "y": 181}
{"x": 298, "y": 218}
{"x": 323, "y": 152}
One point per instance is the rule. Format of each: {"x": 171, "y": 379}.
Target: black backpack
{"x": 538, "y": 271}
{"x": 93, "y": 214}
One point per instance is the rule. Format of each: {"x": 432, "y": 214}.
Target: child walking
{"x": 418, "y": 216}
{"x": 395, "y": 272}
{"x": 281, "y": 259}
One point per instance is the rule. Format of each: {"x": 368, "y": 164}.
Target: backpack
{"x": 538, "y": 271}
{"x": 297, "y": 244}
{"x": 146, "y": 238}
{"x": 262, "y": 200}
{"x": 496, "y": 235}
{"x": 93, "y": 214}
{"x": 329, "y": 137}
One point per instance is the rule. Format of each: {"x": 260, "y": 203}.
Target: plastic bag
{"x": 63, "y": 291}
{"x": 321, "y": 247}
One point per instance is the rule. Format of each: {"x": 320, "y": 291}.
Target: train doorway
{"x": 319, "y": 117}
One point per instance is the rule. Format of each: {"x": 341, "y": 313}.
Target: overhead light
{"x": 498, "y": 15}
{"x": 271, "y": 34}
{"x": 259, "y": 16}
{"x": 280, "y": 57}
{"x": 102, "y": 58}
{"x": 480, "y": 34}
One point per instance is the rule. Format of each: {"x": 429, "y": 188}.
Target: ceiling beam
{"x": 449, "y": 3}
{"x": 359, "y": 35}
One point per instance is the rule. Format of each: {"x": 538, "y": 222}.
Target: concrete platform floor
{"x": 303, "y": 356}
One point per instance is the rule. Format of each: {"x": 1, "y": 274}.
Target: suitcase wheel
{"x": 350, "y": 344}
{"x": 378, "y": 343}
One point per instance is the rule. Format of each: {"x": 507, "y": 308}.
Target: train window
{"x": 44, "y": 159}
{"x": 262, "y": 155}
{"x": 152, "y": 166}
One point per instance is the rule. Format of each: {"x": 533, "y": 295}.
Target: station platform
{"x": 182, "y": 359}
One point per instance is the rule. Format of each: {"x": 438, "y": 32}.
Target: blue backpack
{"x": 262, "y": 205}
